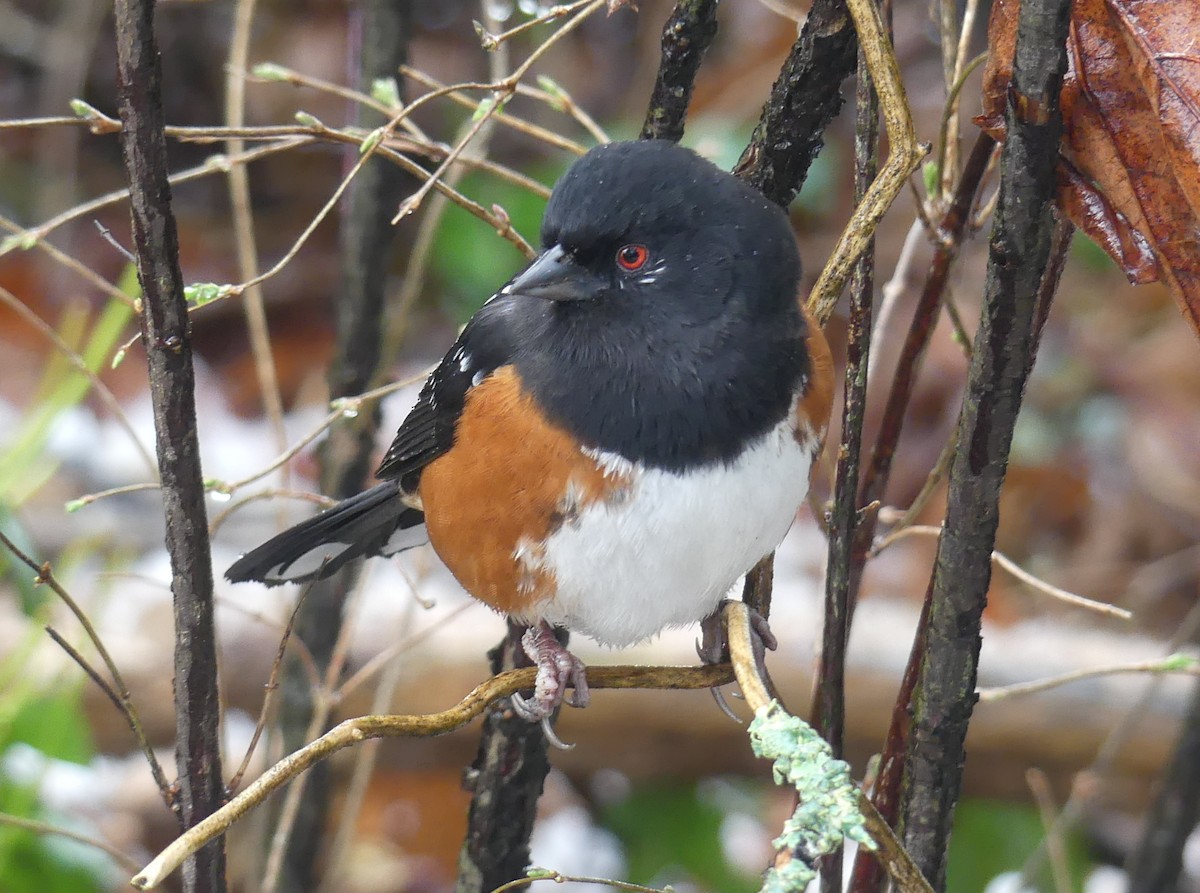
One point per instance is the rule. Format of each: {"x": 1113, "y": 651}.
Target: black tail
{"x": 374, "y": 522}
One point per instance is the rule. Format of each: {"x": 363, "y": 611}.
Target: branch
{"x": 745, "y": 657}
{"x": 903, "y": 157}
{"x": 686, "y": 36}
{"x": 804, "y": 99}
{"x": 167, "y": 338}
{"x": 431, "y": 725}
{"x": 1004, "y": 349}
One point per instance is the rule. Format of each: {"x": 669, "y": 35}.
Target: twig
{"x": 545, "y": 874}
{"x": 362, "y": 728}
{"x": 364, "y": 764}
{"x": 215, "y": 164}
{"x": 102, "y": 390}
{"x": 400, "y": 308}
{"x": 1043, "y": 796}
{"x": 1176, "y": 663}
{"x": 503, "y": 92}
{"x": 1006, "y": 563}
{"x": 74, "y": 265}
{"x": 492, "y": 41}
{"x": 454, "y": 93}
{"x": 87, "y": 668}
{"x": 1115, "y": 742}
{"x": 268, "y": 699}
{"x": 123, "y": 859}
{"x": 243, "y": 227}
{"x": 46, "y": 576}
{"x": 303, "y": 812}
{"x": 830, "y": 707}
{"x": 903, "y": 157}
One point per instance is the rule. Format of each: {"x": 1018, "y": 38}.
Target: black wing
{"x": 428, "y": 431}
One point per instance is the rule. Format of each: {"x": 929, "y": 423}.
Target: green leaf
{"x": 202, "y": 293}
{"x": 386, "y": 91}
{"x": 931, "y": 174}
{"x": 269, "y": 71}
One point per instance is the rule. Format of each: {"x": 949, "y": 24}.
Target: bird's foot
{"x": 556, "y": 668}
{"x": 713, "y": 647}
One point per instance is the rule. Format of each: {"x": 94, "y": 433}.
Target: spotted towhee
{"x": 620, "y": 432}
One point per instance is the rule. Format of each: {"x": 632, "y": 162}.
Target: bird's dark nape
{"x": 375, "y": 522}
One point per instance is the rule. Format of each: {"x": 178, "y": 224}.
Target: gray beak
{"x": 555, "y": 276}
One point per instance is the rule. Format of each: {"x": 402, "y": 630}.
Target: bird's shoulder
{"x": 486, "y": 344}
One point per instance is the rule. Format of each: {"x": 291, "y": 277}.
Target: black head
{"x": 661, "y": 320}
{"x": 652, "y": 226}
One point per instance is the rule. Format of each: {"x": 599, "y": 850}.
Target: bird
{"x": 621, "y": 431}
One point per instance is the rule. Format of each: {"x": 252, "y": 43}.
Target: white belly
{"x": 669, "y": 552}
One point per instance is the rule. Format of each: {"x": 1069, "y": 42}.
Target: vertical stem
{"x": 1158, "y": 860}
{"x": 505, "y": 781}
{"x": 1004, "y": 349}
{"x": 845, "y": 518}
{"x": 243, "y": 225}
{"x": 166, "y": 336}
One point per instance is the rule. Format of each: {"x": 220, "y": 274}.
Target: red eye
{"x": 632, "y": 257}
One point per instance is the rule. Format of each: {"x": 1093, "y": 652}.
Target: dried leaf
{"x": 1130, "y": 175}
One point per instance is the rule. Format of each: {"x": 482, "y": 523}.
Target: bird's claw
{"x": 713, "y": 646}
{"x": 556, "y": 669}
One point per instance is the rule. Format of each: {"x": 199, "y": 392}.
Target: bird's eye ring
{"x": 631, "y": 258}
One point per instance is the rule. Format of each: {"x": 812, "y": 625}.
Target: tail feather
{"x": 374, "y": 522}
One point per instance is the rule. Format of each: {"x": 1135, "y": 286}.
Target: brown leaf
{"x": 1106, "y": 226}
{"x": 1130, "y": 176}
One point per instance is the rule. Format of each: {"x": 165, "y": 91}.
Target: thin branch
{"x": 253, "y": 304}
{"x": 1004, "y": 562}
{"x": 46, "y": 576}
{"x": 271, "y": 688}
{"x": 454, "y": 92}
{"x": 87, "y": 274}
{"x": 102, "y": 390}
{"x": 352, "y": 731}
{"x": 123, "y": 859}
{"x": 904, "y": 154}
{"x": 1043, "y": 796}
{"x": 1182, "y": 664}
{"x": 1005, "y": 346}
{"x": 87, "y": 668}
{"x": 215, "y": 164}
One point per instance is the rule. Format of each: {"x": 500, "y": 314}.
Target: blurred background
{"x": 1102, "y": 497}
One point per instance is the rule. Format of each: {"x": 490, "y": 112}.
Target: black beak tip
{"x": 553, "y": 276}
